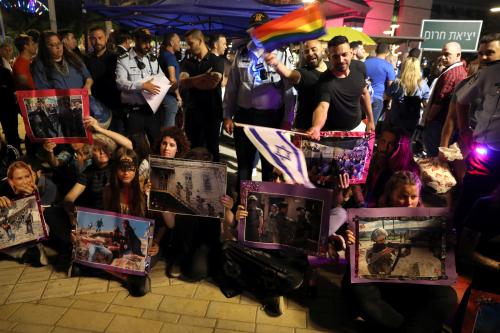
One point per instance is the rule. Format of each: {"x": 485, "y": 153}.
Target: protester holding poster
{"x": 21, "y": 182}
{"x": 385, "y": 305}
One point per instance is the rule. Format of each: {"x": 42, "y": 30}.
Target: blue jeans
{"x": 377, "y": 106}
{"x": 170, "y": 107}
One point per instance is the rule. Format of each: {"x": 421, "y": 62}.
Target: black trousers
{"x": 203, "y": 130}
{"x": 8, "y": 119}
{"x": 245, "y": 150}
{"x": 140, "y": 119}
{"x": 401, "y": 307}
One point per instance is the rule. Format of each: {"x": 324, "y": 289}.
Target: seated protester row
{"x": 22, "y": 182}
{"x": 399, "y": 307}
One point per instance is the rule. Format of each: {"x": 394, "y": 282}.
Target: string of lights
{"x": 35, "y": 7}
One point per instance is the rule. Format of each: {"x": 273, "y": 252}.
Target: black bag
{"x": 258, "y": 271}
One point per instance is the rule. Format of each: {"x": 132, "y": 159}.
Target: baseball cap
{"x": 257, "y": 19}
{"x": 252, "y": 197}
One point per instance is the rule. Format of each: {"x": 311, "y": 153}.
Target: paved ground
{"x": 43, "y": 300}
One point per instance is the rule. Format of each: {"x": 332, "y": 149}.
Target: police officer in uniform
{"x": 256, "y": 95}
{"x": 132, "y": 72}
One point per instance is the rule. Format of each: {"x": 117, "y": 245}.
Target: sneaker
{"x": 273, "y": 306}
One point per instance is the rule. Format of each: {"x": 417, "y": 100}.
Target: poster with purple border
{"x": 401, "y": 245}
{"x": 22, "y": 223}
{"x": 114, "y": 242}
{"x": 335, "y": 153}
{"x": 284, "y": 216}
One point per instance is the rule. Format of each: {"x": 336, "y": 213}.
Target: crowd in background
{"x": 412, "y": 111}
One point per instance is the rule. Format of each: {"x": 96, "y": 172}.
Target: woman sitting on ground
{"x": 400, "y": 307}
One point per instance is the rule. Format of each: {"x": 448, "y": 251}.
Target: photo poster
{"x": 336, "y": 153}
{"x": 284, "y": 216}
{"x": 401, "y": 245}
{"x": 187, "y": 187}
{"x": 483, "y": 313}
{"x": 113, "y": 242}
{"x": 22, "y": 223}
{"x": 55, "y": 115}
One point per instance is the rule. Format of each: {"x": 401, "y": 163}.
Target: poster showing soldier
{"x": 22, "y": 223}
{"x": 55, "y": 115}
{"x": 483, "y": 313}
{"x": 337, "y": 153}
{"x": 112, "y": 241}
{"x": 401, "y": 245}
{"x": 285, "y": 216}
{"x": 187, "y": 187}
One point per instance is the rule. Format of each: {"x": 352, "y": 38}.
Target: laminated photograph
{"x": 285, "y": 216}
{"x": 55, "y": 115}
{"x": 401, "y": 245}
{"x": 187, "y": 187}
{"x": 483, "y": 313}
{"x": 114, "y": 242}
{"x": 337, "y": 153}
{"x": 22, "y": 223}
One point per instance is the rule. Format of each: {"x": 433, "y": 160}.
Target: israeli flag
{"x": 278, "y": 150}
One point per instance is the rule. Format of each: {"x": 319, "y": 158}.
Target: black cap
{"x": 257, "y": 19}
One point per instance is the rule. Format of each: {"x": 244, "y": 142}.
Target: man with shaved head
{"x": 304, "y": 79}
{"x": 441, "y": 93}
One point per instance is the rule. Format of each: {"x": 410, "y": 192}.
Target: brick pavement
{"x": 43, "y": 300}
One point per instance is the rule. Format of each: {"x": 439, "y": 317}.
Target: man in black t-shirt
{"x": 304, "y": 79}
{"x": 342, "y": 90}
{"x": 201, "y": 75}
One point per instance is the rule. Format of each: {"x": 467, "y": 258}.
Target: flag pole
{"x": 291, "y": 132}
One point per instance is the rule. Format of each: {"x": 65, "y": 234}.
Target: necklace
{"x": 62, "y": 67}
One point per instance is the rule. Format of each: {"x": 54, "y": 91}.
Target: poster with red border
{"x": 55, "y": 115}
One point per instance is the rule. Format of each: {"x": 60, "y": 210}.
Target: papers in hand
{"x": 154, "y": 101}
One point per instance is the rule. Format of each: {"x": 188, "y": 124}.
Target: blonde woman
{"x": 408, "y": 94}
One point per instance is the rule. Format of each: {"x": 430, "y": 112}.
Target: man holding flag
{"x": 256, "y": 95}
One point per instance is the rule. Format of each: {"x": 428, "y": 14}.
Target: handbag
{"x": 258, "y": 271}
{"x": 436, "y": 174}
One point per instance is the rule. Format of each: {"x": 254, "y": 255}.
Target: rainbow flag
{"x": 300, "y": 25}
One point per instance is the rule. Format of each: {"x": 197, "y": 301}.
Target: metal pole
{"x": 1, "y": 24}
{"x": 108, "y": 23}
{"x": 52, "y": 16}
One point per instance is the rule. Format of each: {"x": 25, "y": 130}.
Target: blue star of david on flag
{"x": 274, "y": 145}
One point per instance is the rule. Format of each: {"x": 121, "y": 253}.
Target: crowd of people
{"x": 332, "y": 88}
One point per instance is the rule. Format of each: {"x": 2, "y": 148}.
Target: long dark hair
{"x": 46, "y": 59}
{"x": 137, "y": 202}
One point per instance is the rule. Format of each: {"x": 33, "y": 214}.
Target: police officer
{"x": 256, "y": 95}
{"x": 132, "y": 72}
